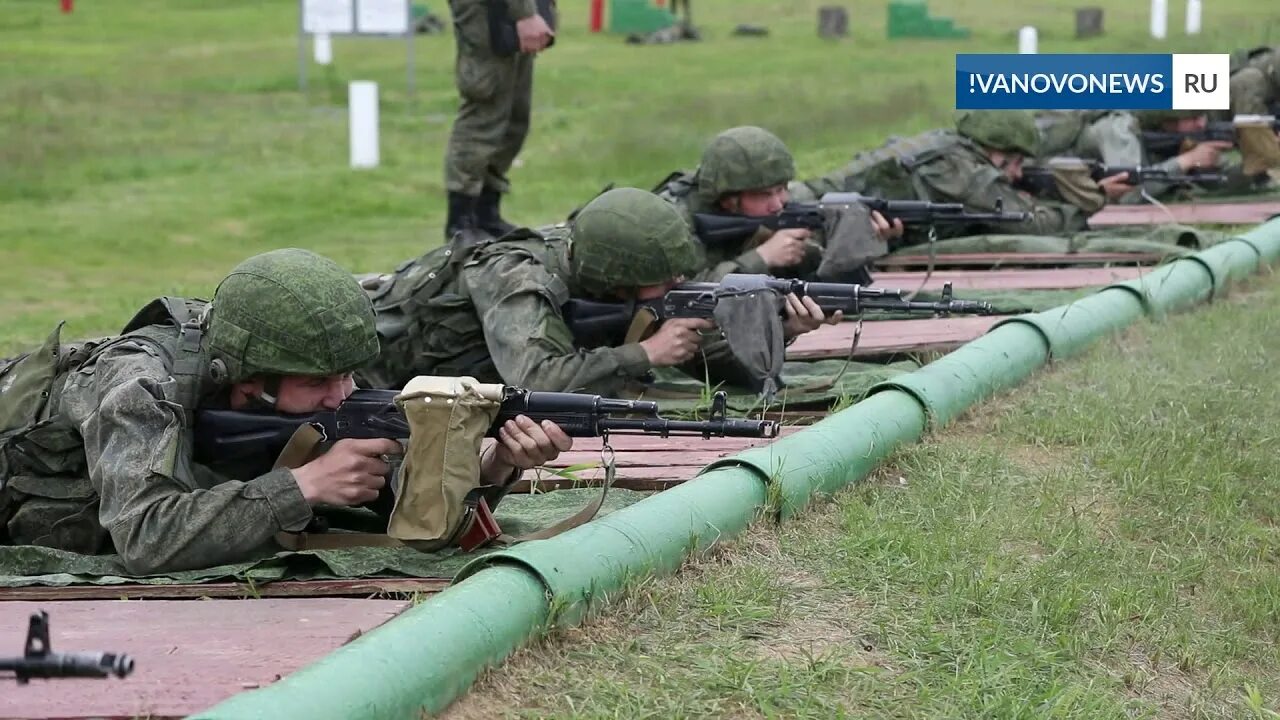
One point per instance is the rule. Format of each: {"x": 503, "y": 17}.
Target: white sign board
{"x": 390, "y": 17}
{"x": 328, "y": 16}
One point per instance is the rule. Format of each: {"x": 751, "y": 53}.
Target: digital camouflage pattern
{"x": 944, "y": 166}
{"x": 1012, "y": 131}
{"x": 752, "y": 158}
{"x": 108, "y": 465}
{"x": 491, "y": 308}
{"x": 743, "y": 158}
{"x": 291, "y": 312}
{"x": 1113, "y": 138}
{"x": 1255, "y": 81}
{"x": 496, "y": 95}
{"x": 628, "y": 238}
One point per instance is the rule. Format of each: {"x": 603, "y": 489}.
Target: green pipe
{"x": 430, "y": 654}
{"x": 423, "y": 658}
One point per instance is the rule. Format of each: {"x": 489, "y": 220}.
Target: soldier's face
{"x": 653, "y": 292}
{"x": 758, "y": 203}
{"x": 1191, "y": 124}
{"x": 298, "y": 393}
{"x": 1009, "y": 163}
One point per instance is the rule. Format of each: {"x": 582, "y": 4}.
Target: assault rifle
{"x": 600, "y": 323}
{"x": 233, "y": 434}
{"x": 1038, "y": 179}
{"x": 40, "y": 661}
{"x": 1170, "y": 143}
{"x": 715, "y": 229}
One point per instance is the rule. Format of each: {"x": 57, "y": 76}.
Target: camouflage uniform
{"x": 737, "y": 160}
{"x": 496, "y": 95}
{"x": 1112, "y": 138}
{"x": 952, "y": 166}
{"x": 1255, "y": 81}
{"x": 107, "y": 463}
{"x": 493, "y": 309}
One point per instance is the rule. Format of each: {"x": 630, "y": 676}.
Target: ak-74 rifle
{"x": 234, "y": 434}
{"x": 1166, "y": 143}
{"x": 40, "y": 661}
{"x": 715, "y": 229}
{"x": 1038, "y": 179}
{"x": 595, "y": 323}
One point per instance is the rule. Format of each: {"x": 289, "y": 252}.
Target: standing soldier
{"x": 496, "y": 43}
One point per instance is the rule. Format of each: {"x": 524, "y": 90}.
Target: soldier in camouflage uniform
{"x": 1255, "y": 90}
{"x": 1115, "y": 138}
{"x": 96, "y": 437}
{"x": 974, "y": 164}
{"x": 493, "y": 309}
{"x": 496, "y": 92}
{"x": 745, "y": 171}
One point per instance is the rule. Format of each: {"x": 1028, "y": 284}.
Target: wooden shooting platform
{"x": 1013, "y": 260}
{"x": 885, "y": 337}
{"x": 1205, "y": 213}
{"x": 189, "y": 654}
{"x": 1042, "y": 279}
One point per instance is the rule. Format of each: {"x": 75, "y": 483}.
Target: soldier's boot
{"x": 489, "y": 216}
{"x": 462, "y": 215}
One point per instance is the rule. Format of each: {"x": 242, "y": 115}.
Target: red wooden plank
{"x": 652, "y": 479}
{"x": 994, "y": 260}
{"x": 1052, "y": 279}
{"x": 360, "y": 588}
{"x": 645, "y": 443}
{"x": 189, "y": 655}
{"x": 888, "y": 336}
{"x": 1187, "y": 214}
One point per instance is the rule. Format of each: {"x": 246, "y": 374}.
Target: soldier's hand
{"x": 1203, "y": 156}
{"x": 804, "y": 315}
{"x": 1116, "y": 186}
{"x": 350, "y": 473}
{"x": 884, "y": 230}
{"x": 675, "y": 342}
{"x": 525, "y": 444}
{"x": 785, "y": 248}
{"x": 534, "y": 33}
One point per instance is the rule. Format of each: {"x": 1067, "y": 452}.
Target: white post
{"x": 362, "y": 99}
{"x": 323, "y": 49}
{"x": 1193, "y": 17}
{"x": 1027, "y": 37}
{"x": 1159, "y": 18}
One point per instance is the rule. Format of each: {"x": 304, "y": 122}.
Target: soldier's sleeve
{"x": 519, "y": 303}
{"x": 950, "y": 178}
{"x": 161, "y": 518}
{"x": 521, "y": 9}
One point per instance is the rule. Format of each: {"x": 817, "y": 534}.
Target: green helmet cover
{"x": 1004, "y": 130}
{"x": 291, "y": 312}
{"x": 744, "y": 158}
{"x": 627, "y": 237}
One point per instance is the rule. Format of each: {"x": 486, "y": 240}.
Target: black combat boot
{"x": 462, "y": 215}
{"x": 488, "y": 216}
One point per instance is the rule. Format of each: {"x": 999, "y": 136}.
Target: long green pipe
{"x": 428, "y": 655}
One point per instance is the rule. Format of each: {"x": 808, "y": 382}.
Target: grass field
{"x": 1101, "y": 543}
{"x": 146, "y": 146}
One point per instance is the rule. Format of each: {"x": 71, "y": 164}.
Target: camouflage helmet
{"x": 1004, "y": 130}
{"x": 1155, "y": 119}
{"x": 743, "y": 158}
{"x": 627, "y": 237}
{"x": 290, "y": 312}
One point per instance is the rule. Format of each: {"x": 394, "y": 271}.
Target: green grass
{"x": 146, "y": 146}
{"x": 1100, "y": 543}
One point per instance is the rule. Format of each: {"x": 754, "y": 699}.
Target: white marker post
{"x": 1027, "y": 37}
{"x": 362, "y": 99}
{"x": 1159, "y": 19}
{"x": 323, "y": 49}
{"x": 1193, "y": 17}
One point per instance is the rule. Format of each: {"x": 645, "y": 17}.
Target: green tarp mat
{"x": 517, "y": 514}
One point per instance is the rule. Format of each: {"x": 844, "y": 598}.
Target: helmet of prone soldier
{"x": 1012, "y": 131}
{"x": 741, "y": 159}
{"x": 1156, "y": 119}
{"x": 627, "y": 238}
{"x": 290, "y": 312}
